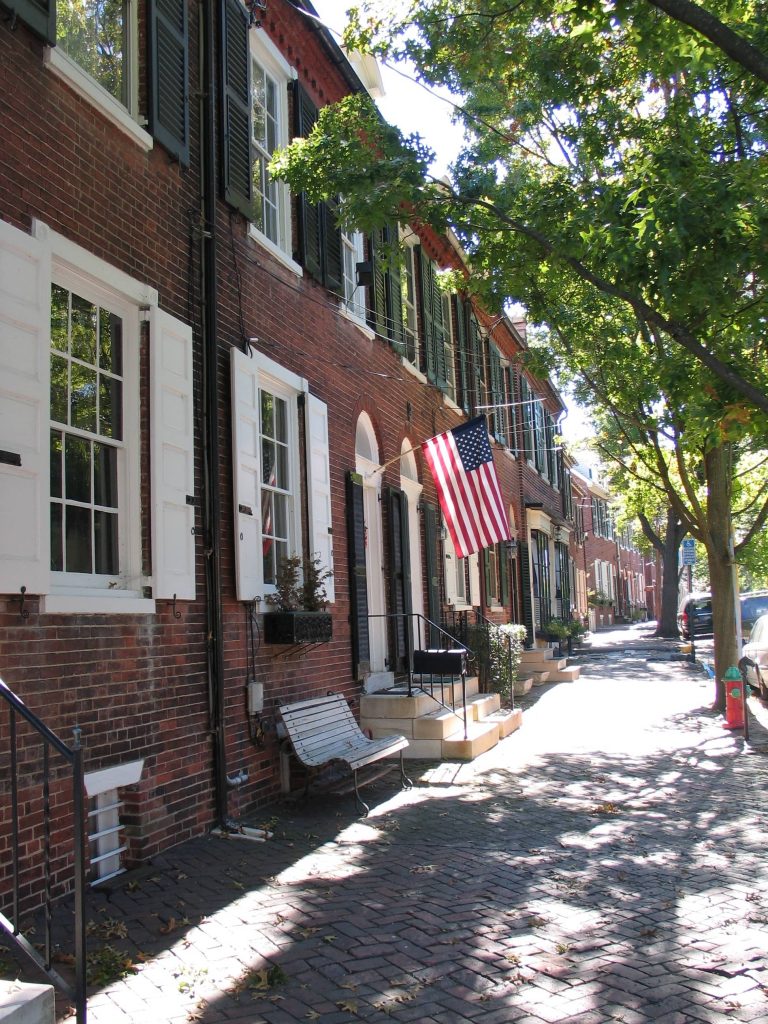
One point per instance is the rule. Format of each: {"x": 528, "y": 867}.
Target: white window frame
{"x": 354, "y": 294}
{"x": 265, "y": 54}
{"x": 91, "y": 277}
{"x": 125, "y": 117}
{"x": 250, "y": 374}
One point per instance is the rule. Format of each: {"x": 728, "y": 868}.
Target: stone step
{"x": 509, "y": 720}
{"x": 438, "y": 724}
{"x": 451, "y": 688}
{"x": 481, "y": 736}
{"x": 565, "y": 675}
{"x": 523, "y": 686}
{"x": 395, "y": 704}
{"x": 540, "y": 677}
{"x": 535, "y": 656}
{"x": 481, "y": 706}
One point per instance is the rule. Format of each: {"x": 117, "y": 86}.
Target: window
{"x": 106, "y": 833}
{"x": 87, "y": 475}
{"x": 269, "y": 119}
{"x": 354, "y": 294}
{"x": 450, "y": 377}
{"x": 497, "y": 418}
{"x": 386, "y": 306}
{"x": 267, "y": 402}
{"x": 96, "y": 34}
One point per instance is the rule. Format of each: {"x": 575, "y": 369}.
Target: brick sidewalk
{"x": 605, "y": 863}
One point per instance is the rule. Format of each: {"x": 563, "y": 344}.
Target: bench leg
{"x": 362, "y": 806}
{"x": 405, "y": 782}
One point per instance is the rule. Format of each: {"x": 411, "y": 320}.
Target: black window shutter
{"x": 378, "y": 319}
{"x": 395, "y": 302}
{"x": 513, "y": 410}
{"x": 399, "y": 575}
{"x": 309, "y": 215}
{"x": 432, "y": 562}
{"x": 525, "y": 586}
{"x": 169, "y": 76}
{"x": 358, "y": 578}
{"x": 497, "y": 393}
{"x": 39, "y": 15}
{"x": 236, "y": 107}
{"x": 476, "y": 349}
{"x": 487, "y": 581}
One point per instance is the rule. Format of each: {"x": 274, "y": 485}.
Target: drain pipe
{"x": 211, "y": 502}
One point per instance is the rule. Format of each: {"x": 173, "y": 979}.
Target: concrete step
{"x": 540, "y": 677}
{"x": 438, "y": 724}
{"x": 509, "y": 720}
{"x": 395, "y": 704}
{"x": 481, "y": 736}
{"x": 451, "y": 688}
{"x": 481, "y": 705}
{"x": 523, "y": 686}
{"x": 535, "y": 656}
{"x": 565, "y": 675}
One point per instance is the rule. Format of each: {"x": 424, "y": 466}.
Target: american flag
{"x": 468, "y": 488}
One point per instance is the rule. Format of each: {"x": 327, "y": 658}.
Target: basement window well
{"x": 106, "y": 834}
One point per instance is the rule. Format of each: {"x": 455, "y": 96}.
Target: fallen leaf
{"x": 347, "y": 1005}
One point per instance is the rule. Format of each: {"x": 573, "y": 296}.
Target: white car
{"x": 756, "y": 649}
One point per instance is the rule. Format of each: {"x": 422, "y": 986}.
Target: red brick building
{"x": 200, "y": 375}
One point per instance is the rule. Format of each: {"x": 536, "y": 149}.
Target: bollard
{"x": 734, "y": 699}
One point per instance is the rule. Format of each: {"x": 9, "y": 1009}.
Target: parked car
{"x": 696, "y": 608}
{"x": 756, "y": 649}
{"x": 753, "y": 605}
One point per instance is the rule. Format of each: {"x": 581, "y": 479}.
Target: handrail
{"x": 74, "y": 758}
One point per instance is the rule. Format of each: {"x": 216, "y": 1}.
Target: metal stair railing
{"x": 73, "y": 758}
{"x": 430, "y": 631}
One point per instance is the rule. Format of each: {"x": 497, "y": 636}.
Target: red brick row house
{"x": 200, "y": 376}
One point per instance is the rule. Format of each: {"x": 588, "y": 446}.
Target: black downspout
{"x": 211, "y": 503}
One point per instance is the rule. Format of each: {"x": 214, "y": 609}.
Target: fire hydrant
{"x": 734, "y": 699}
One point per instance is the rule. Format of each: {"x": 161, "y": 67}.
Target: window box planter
{"x": 298, "y": 627}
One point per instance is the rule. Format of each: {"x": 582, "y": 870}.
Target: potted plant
{"x": 300, "y": 598}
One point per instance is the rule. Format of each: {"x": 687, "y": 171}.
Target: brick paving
{"x": 606, "y": 863}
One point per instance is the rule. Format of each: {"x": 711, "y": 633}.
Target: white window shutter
{"x": 450, "y": 569}
{"x": 25, "y": 321}
{"x": 319, "y": 487}
{"x": 172, "y": 456}
{"x": 246, "y": 476}
{"x": 474, "y": 580}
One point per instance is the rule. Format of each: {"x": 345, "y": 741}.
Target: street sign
{"x": 688, "y": 551}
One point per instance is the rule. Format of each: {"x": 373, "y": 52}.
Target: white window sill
{"x": 414, "y": 371}
{"x": 449, "y": 403}
{"x": 358, "y": 321}
{"x": 110, "y": 603}
{"x": 274, "y": 250}
{"x": 65, "y": 68}
{"x": 510, "y": 453}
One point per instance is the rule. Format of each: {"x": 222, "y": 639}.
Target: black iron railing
{"x": 52, "y": 746}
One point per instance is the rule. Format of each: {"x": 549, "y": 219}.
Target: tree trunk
{"x": 719, "y": 543}
{"x": 674, "y": 533}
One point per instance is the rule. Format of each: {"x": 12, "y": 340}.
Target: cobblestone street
{"x": 606, "y": 863}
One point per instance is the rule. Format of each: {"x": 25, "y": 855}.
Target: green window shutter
{"x": 462, "y": 354}
{"x": 399, "y": 575}
{"x": 39, "y": 15}
{"x": 395, "y": 303}
{"x": 541, "y": 438}
{"x": 333, "y": 259}
{"x": 432, "y": 562}
{"x": 487, "y": 581}
{"x": 476, "y": 349}
{"x": 513, "y": 410}
{"x": 426, "y": 302}
{"x": 236, "y": 107}
{"x": 358, "y": 579}
{"x": 498, "y": 396}
{"x": 309, "y": 215}
{"x": 525, "y": 586}
{"x": 169, "y": 76}
{"x": 378, "y": 314}
{"x": 503, "y": 559}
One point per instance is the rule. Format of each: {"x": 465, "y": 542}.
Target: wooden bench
{"x": 323, "y": 730}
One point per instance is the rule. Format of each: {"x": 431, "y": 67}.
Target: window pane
{"x": 110, "y": 342}
{"x": 281, "y": 420}
{"x": 59, "y": 389}
{"x": 280, "y": 506}
{"x": 110, "y": 407}
{"x": 268, "y": 463}
{"x": 267, "y": 414}
{"x": 78, "y": 531}
{"x": 282, "y": 467}
{"x": 77, "y": 462}
{"x": 57, "y": 551}
{"x": 93, "y": 33}
{"x": 83, "y": 397}
{"x": 105, "y": 529}
{"x": 105, "y": 476}
{"x": 56, "y": 453}
{"x": 59, "y": 318}
{"x": 83, "y": 330}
